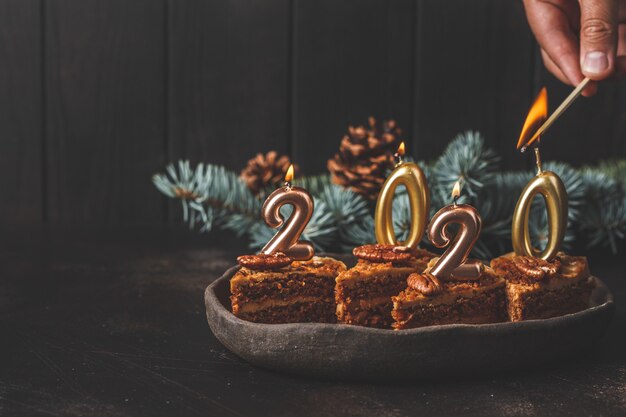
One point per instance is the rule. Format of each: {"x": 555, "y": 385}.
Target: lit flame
{"x": 289, "y": 174}
{"x": 456, "y": 190}
{"x": 536, "y": 116}
{"x": 400, "y": 150}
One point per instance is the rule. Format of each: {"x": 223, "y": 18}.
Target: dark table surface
{"x": 113, "y": 324}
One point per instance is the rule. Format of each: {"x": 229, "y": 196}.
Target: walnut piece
{"x": 264, "y": 261}
{"x": 425, "y": 283}
{"x": 384, "y": 253}
{"x": 536, "y": 268}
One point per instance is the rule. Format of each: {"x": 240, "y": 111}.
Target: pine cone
{"x": 265, "y": 170}
{"x": 365, "y": 155}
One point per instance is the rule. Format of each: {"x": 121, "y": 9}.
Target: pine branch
{"x": 615, "y": 169}
{"x": 180, "y": 184}
{"x": 574, "y": 185}
{"x": 496, "y": 205}
{"x": 212, "y": 196}
{"x": 208, "y": 193}
{"x": 347, "y": 208}
{"x": 603, "y": 215}
{"x": 358, "y": 233}
{"x": 315, "y": 184}
{"x": 539, "y": 230}
{"x": 401, "y": 209}
{"x": 467, "y": 159}
{"x": 607, "y": 225}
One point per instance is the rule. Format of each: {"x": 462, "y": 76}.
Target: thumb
{"x": 598, "y": 37}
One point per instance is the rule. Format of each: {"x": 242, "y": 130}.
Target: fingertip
{"x": 596, "y": 65}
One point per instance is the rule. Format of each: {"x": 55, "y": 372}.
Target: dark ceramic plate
{"x": 340, "y": 351}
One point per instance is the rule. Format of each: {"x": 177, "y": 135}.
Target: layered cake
{"x": 428, "y": 301}
{"x": 539, "y": 289}
{"x": 363, "y": 293}
{"x": 275, "y": 289}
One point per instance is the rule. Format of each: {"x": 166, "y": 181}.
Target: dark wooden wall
{"x": 96, "y": 96}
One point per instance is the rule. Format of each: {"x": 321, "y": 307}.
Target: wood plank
{"x": 592, "y": 129}
{"x": 105, "y": 110}
{"x": 474, "y": 68}
{"x": 20, "y": 112}
{"x": 353, "y": 59}
{"x": 229, "y": 79}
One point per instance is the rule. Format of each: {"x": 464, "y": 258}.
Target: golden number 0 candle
{"x": 412, "y": 177}
{"x": 551, "y": 188}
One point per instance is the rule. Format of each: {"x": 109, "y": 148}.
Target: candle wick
{"x": 538, "y": 160}
{"x": 397, "y": 158}
{"x": 287, "y": 185}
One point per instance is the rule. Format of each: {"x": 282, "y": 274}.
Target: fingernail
{"x": 595, "y": 62}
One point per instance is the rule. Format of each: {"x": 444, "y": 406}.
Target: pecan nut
{"x": 425, "y": 283}
{"x": 384, "y": 253}
{"x": 264, "y": 261}
{"x": 537, "y": 268}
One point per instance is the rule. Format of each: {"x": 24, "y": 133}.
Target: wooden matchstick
{"x": 558, "y": 112}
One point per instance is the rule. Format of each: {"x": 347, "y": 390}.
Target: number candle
{"x": 412, "y": 177}
{"x": 453, "y": 263}
{"x": 286, "y": 240}
{"x": 545, "y": 183}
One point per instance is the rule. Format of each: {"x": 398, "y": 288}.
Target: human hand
{"x": 578, "y": 39}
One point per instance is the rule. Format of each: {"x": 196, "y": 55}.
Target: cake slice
{"x": 538, "y": 289}
{"x": 285, "y": 292}
{"x": 428, "y": 301}
{"x": 363, "y": 293}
